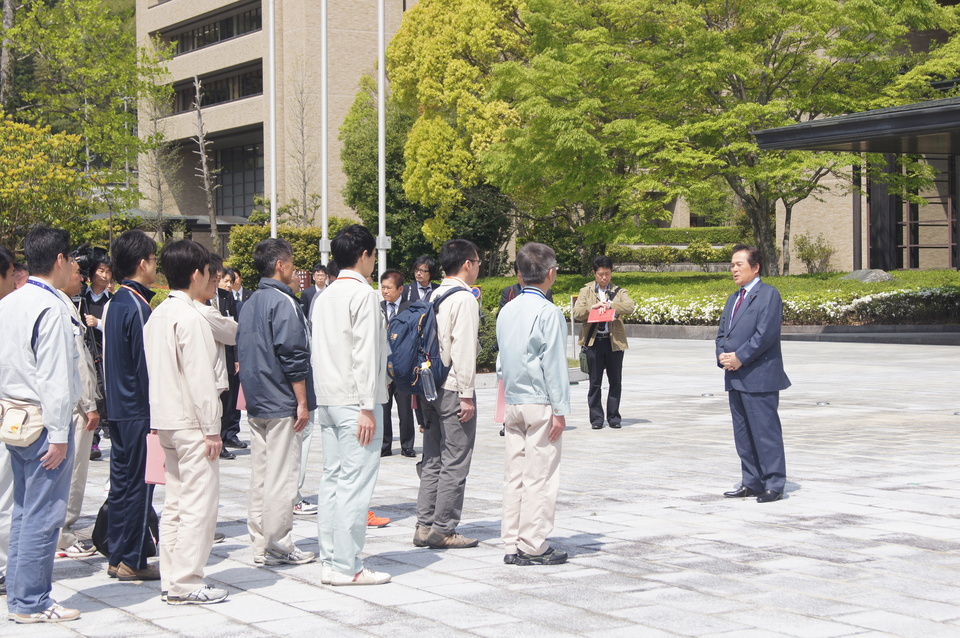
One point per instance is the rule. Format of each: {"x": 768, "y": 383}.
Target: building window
{"x": 218, "y": 89}
{"x": 216, "y": 31}
{"x": 240, "y": 177}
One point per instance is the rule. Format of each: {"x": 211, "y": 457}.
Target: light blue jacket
{"x": 532, "y": 335}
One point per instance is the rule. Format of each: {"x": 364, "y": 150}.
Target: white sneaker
{"x": 304, "y": 508}
{"x": 77, "y": 550}
{"x": 296, "y": 557}
{"x": 53, "y": 613}
{"x": 363, "y": 577}
{"x": 206, "y": 595}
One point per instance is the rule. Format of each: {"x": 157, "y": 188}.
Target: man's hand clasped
{"x": 729, "y": 361}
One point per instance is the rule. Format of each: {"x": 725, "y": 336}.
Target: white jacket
{"x": 349, "y": 344}
{"x": 181, "y": 358}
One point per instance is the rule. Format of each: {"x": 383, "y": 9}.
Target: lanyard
{"x": 533, "y": 291}
{"x": 462, "y": 282}
{"x": 135, "y": 292}
{"x": 40, "y": 284}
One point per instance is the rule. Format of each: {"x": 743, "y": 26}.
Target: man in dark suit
{"x": 226, "y": 303}
{"x": 391, "y": 287}
{"x": 748, "y": 349}
{"x": 424, "y": 272}
{"x": 319, "y": 283}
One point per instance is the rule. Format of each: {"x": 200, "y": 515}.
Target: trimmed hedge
{"x": 699, "y": 252}
{"x": 696, "y": 299}
{"x": 709, "y": 234}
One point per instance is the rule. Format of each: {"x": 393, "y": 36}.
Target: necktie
{"x": 392, "y": 312}
{"x": 736, "y": 307}
{"x": 425, "y": 293}
{"x": 236, "y": 295}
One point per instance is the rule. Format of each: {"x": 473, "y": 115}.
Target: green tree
{"x": 40, "y": 181}
{"x": 480, "y": 214}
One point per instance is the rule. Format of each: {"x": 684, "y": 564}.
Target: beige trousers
{"x": 82, "y": 440}
{"x": 531, "y": 479}
{"x": 275, "y": 455}
{"x": 189, "y": 512}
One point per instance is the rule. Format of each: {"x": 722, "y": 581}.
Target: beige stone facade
{"x": 230, "y": 63}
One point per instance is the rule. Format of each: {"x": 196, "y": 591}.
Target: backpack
{"x": 413, "y": 340}
{"x": 100, "y": 531}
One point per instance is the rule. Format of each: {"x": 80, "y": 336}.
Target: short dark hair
{"x": 318, "y": 267}
{"x": 42, "y": 246}
{"x": 128, "y": 250}
{"x": 392, "y": 275}
{"x": 534, "y": 262}
{"x": 232, "y": 272}
{"x": 350, "y": 244}
{"x": 602, "y": 261}
{"x": 333, "y": 270}
{"x": 454, "y": 253}
{"x": 180, "y": 259}
{"x": 216, "y": 263}
{"x": 268, "y": 252}
{"x": 753, "y": 254}
{"x": 429, "y": 262}
{"x": 7, "y": 260}
{"x": 19, "y": 267}
{"x": 90, "y": 258}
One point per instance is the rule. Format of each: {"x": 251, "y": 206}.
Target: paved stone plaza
{"x": 866, "y": 542}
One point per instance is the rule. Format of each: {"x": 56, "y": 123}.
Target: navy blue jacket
{"x": 755, "y": 337}
{"x": 124, "y": 361}
{"x": 273, "y": 347}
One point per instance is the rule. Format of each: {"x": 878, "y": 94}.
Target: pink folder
{"x": 155, "y": 473}
{"x": 500, "y": 411}
{"x": 241, "y": 399}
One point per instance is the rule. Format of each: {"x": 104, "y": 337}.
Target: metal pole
{"x": 383, "y": 242}
{"x": 857, "y": 218}
{"x": 324, "y": 150}
{"x": 272, "y": 54}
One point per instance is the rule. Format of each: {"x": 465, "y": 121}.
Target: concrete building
{"x": 224, "y": 44}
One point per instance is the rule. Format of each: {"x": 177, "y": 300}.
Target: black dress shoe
{"x": 510, "y": 559}
{"x": 227, "y": 454}
{"x": 236, "y": 443}
{"x": 742, "y": 492}
{"x": 408, "y": 452}
{"x": 503, "y": 432}
{"x": 597, "y": 426}
{"x": 615, "y": 426}
{"x": 386, "y": 452}
{"x": 769, "y": 496}
{"x": 549, "y": 557}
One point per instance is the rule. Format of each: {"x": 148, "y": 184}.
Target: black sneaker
{"x": 510, "y": 559}
{"x": 3, "y": 585}
{"x": 549, "y": 557}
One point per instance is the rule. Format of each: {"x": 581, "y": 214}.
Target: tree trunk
{"x": 762, "y": 215}
{"x": 6, "y": 55}
{"x": 788, "y": 215}
{"x": 206, "y": 172}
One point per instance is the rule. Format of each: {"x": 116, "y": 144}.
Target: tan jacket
{"x": 622, "y": 304}
{"x": 224, "y": 331}
{"x": 458, "y": 322}
{"x": 88, "y": 372}
{"x": 181, "y": 359}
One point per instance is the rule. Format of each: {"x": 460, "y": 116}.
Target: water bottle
{"x": 427, "y": 383}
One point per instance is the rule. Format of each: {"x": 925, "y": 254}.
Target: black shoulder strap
{"x": 437, "y": 302}
{"x": 36, "y": 331}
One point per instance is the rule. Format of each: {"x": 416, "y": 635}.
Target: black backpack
{"x": 99, "y": 536}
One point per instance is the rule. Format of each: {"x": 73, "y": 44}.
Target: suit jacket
{"x": 755, "y": 337}
{"x": 306, "y": 297}
{"x": 244, "y": 295}
{"x": 621, "y": 302}
{"x": 411, "y": 296}
{"x": 403, "y": 306}
{"x": 228, "y": 308}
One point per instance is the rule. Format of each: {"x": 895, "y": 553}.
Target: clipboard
{"x": 598, "y": 316}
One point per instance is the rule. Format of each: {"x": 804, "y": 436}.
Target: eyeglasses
{"x": 424, "y": 271}
{"x": 154, "y": 258}
{"x": 476, "y": 261}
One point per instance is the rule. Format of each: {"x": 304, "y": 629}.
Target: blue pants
{"x": 349, "y": 476}
{"x": 759, "y": 439}
{"x": 128, "y": 536}
{"x": 39, "y": 509}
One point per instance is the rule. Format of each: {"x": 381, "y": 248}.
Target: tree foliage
{"x": 599, "y": 112}
{"x": 40, "y": 181}
{"x": 480, "y": 214}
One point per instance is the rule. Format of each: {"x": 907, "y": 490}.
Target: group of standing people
{"x": 167, "y": 371}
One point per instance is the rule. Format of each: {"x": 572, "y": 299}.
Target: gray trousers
{"x": 447, "y": 450}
